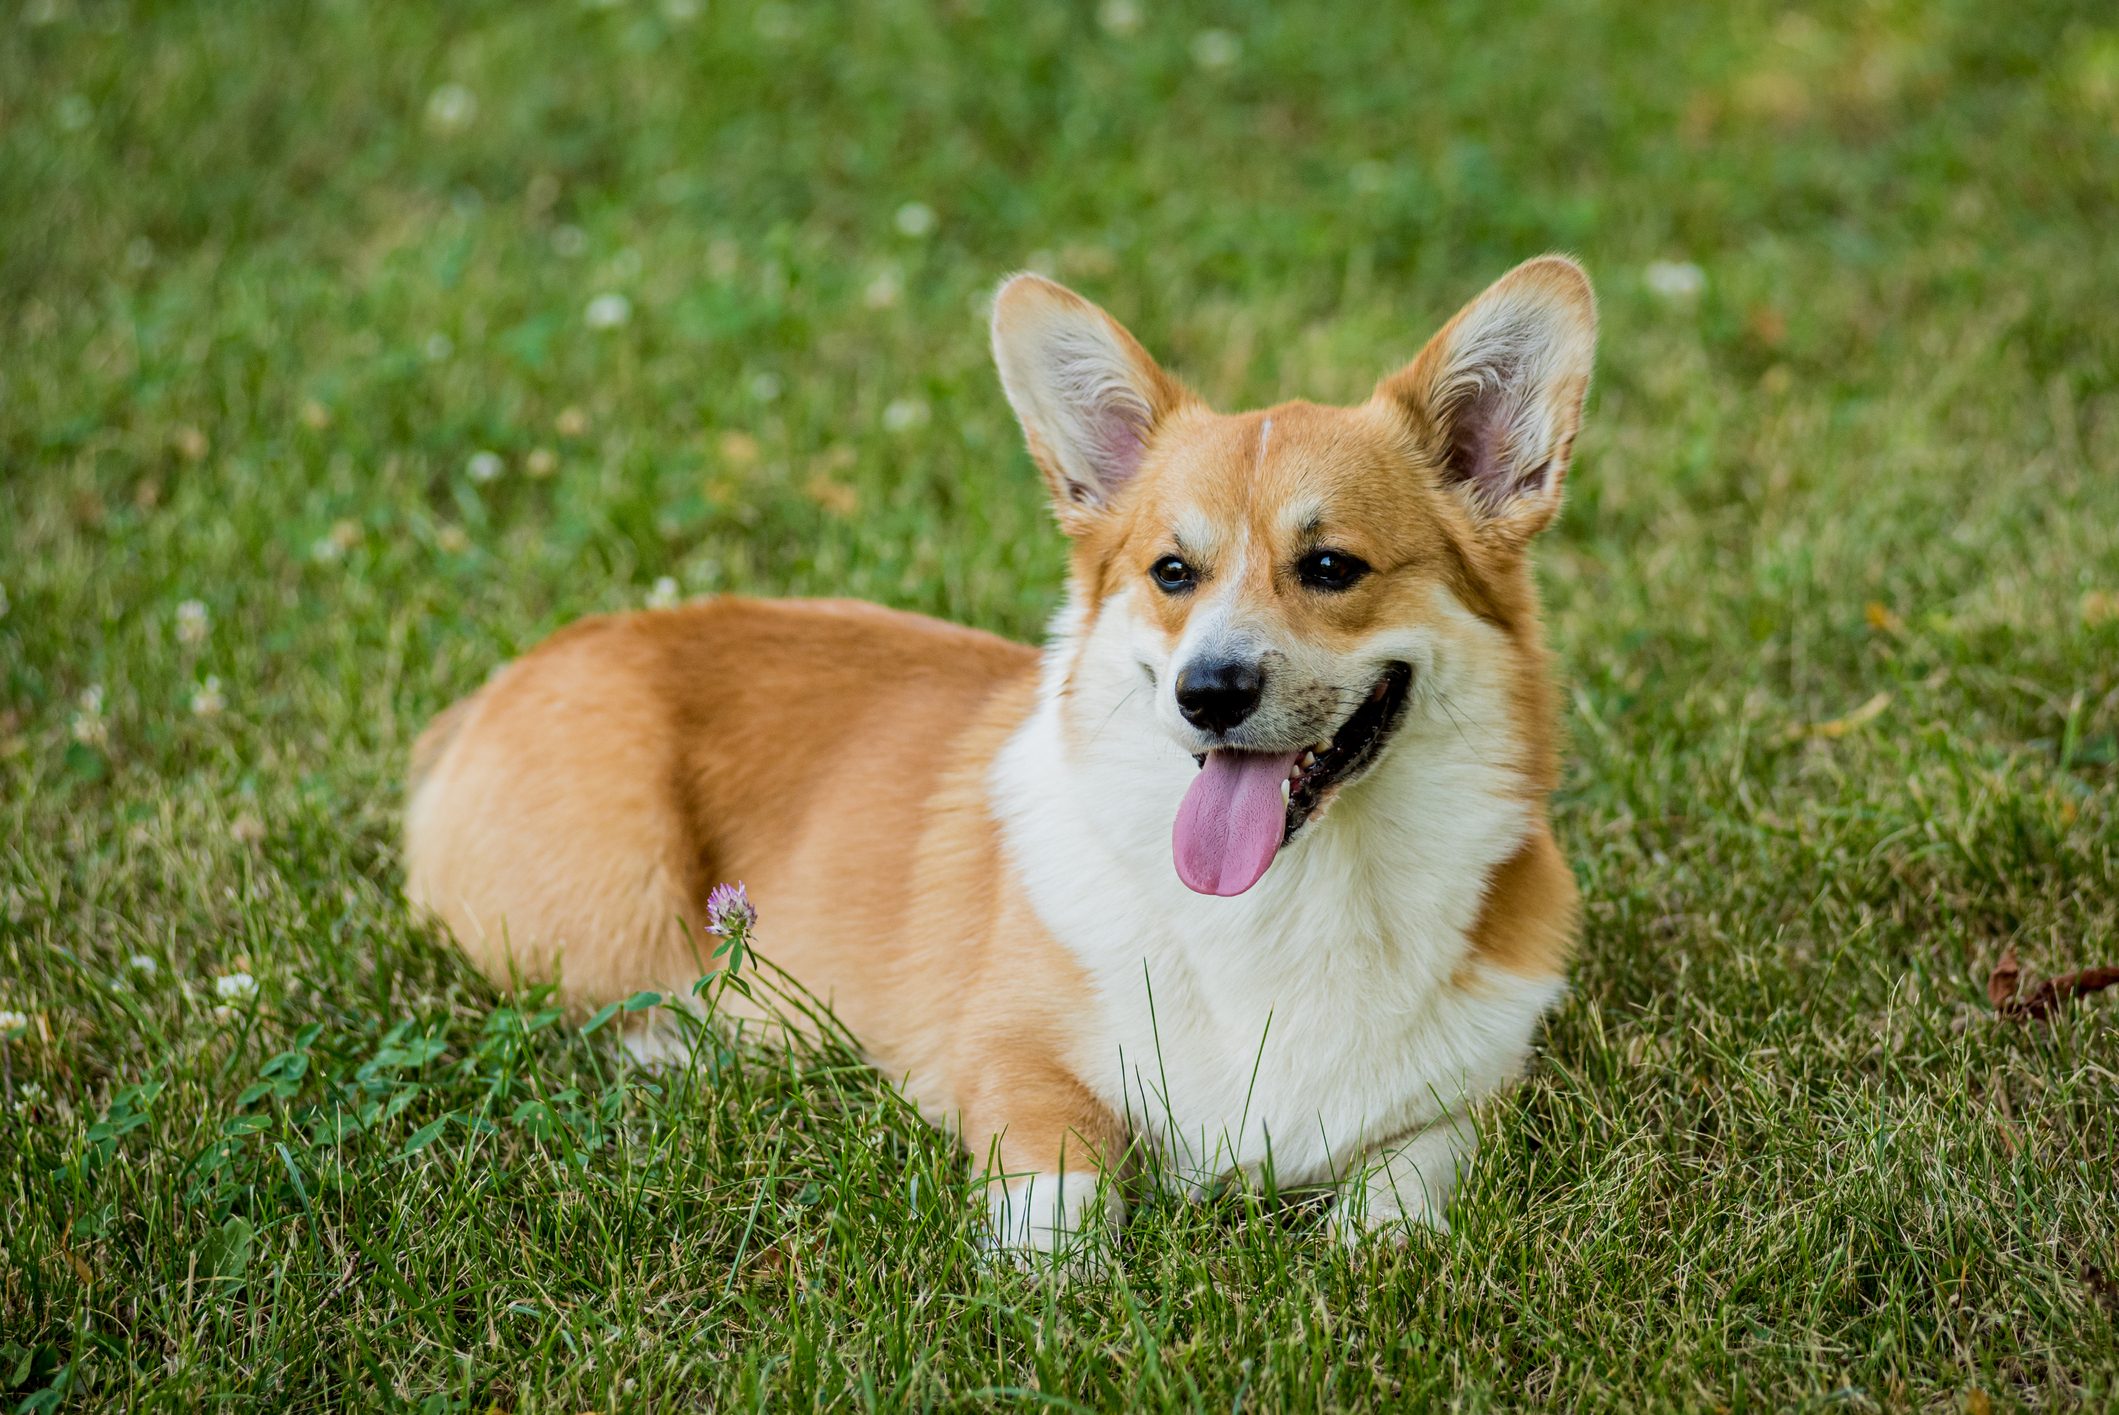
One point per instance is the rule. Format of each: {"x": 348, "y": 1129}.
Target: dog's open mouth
{"x": 1243, "y": 806}
{"x": 1318, "y": 773}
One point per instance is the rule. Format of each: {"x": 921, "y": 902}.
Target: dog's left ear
{"x": 1497, "y": 395}
{"x": 1088, "y": 396}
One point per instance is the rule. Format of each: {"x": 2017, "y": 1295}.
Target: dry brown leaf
{"x": 1840, "y": 726}
{"x": 2042, "y": 1000}
{"x": 1881, "y": 618}
{"x": 2001, "y": 983}
{"x": 834, "y": 496}
{"x": 2101, "y": 1287}
{"x": 1767, "y": 325}
{"x": 2004, "y": 986}
{"x": 739, "y": 448}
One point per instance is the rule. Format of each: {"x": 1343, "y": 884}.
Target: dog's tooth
{"x": 1309, "y": 759}
{"x": 1286, "y": 790}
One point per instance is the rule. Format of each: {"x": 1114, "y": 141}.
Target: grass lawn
{"x": 346, "y": 350}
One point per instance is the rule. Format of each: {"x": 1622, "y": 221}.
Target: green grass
{"x": 267, "y": 284}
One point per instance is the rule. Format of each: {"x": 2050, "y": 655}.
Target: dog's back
{"x": 567, "y": 820}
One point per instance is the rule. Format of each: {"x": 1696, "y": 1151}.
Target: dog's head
{"x": 1283, "y": 579}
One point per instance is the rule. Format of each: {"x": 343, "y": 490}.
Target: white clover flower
{"x": 144, "y": 965}
{"x": 332, "y": 547}
{"x": 193, "y": 622}
{"x": 451, "y": 108}
{"x": 1119, "y": 17}
{"x": 88, "y": 726}
{"x": 12, "y": 1023}
{"x": 608, "y": 311}
{"x": 904, "y": 414}
{"x": 1216, "y": 49}
{"x": 235, "y": 987}
{"x": 664, "y": 594}
{"x": 27, "y": 1094}
{"x": 485, "y": 466}
{"x": 916, "y": 219}
{"x": 884, "y": 291}
{"x": 1678, "y": 281}
{"x": 207, "y": 700}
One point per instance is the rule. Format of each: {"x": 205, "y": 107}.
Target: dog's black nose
{"x": 1215, "y": 697}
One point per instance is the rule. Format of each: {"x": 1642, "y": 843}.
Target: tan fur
{"x": 568, "y": 819}
{"x": 1532, "y": 912}
{"x": 829, "y": 754}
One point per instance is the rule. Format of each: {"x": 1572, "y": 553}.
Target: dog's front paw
{"x": 1384, "y": 1218}
{"x": 1405, "y": 1187}
{"x": 1061, "y": 1221}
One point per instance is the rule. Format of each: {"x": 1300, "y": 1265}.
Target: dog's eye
{"x": 1331, "y": 569}
{"x": 1173, "y": 575}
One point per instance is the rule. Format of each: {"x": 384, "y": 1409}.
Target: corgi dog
{"x": 1249, "y": 868}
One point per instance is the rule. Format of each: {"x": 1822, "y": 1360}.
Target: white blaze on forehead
{"x": 1215, "y": 629}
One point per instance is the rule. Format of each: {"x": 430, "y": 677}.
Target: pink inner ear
{"x": 1478, "y": 451}
{"x": 1481, "y": 454}
{"x": 1119, "y": 447}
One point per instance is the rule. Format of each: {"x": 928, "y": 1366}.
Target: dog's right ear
{"x": 1088, "y": 396}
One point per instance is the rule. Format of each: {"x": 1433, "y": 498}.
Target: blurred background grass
{"x": 350, "y": 348}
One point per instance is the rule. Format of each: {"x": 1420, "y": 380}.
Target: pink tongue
{"x": 1231, "y": 821}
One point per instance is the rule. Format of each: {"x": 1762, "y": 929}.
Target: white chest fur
{"x": 1327, "y": 1011}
